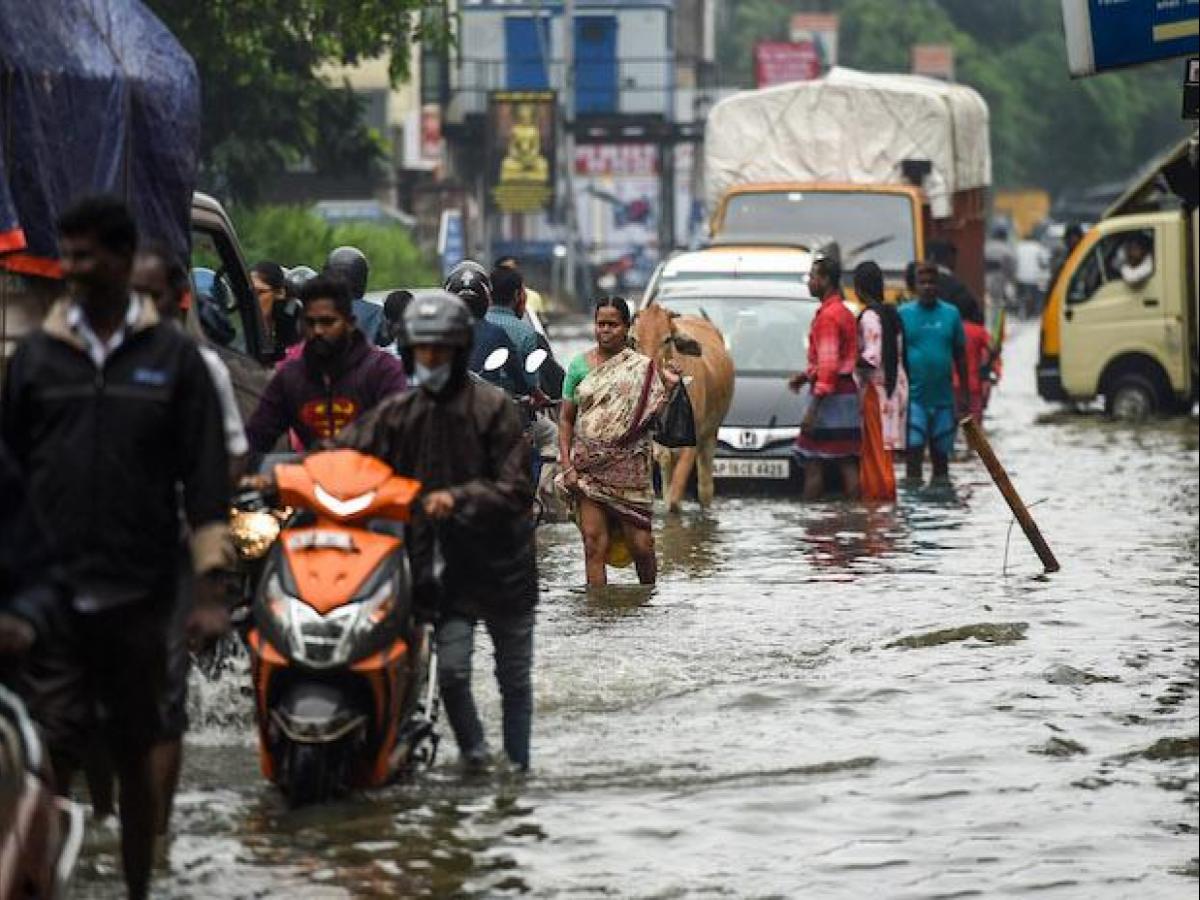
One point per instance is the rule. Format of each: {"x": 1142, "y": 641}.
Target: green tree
{"x": 263, "y": 104}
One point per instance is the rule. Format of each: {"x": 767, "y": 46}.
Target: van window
{"x": 1123, "y": 255}
{"x": 225, "y": 316}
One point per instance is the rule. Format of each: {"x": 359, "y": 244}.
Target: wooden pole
{"x": 980, "y": 445}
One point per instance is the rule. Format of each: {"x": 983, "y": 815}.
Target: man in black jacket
{"x": 112, "y": 418}
{"x": 472, "y": 541}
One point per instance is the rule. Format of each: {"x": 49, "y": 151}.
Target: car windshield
{"x": 763, "y": 335}
{"x": 865, "y": 225}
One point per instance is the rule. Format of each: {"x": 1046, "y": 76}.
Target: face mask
{"x": 433, "y": 380}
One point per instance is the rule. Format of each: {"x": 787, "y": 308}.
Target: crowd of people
{"x": 121, "y": 440}
{"x": 895, "y": 380}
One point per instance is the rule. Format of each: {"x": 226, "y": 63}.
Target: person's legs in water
{"x": 455, "y": 637}
{"x": 512, "y": 645}
{"x": 168, "y": 753}
{"x": 918, "y": 436}
{"x": 814, "y": 479}
{"x": 139, "y": 811}
{"x": 941, "y": 441}
{"x": 593, "y": 522}
{"x": 128, "y": 656}
{"x": 101, "y": 776}
{"x": 849, "y": 469}
{"x": 641, "y": 547}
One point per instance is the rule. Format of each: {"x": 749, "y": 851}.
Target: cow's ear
{"x": 688, "y": 346}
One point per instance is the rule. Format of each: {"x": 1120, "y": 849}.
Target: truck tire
{"x": 1132, "y": 397}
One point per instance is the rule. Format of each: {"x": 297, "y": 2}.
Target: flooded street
{"x": 817, "y": 701}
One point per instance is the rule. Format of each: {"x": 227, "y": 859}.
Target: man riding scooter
{"x": 336, "y": 378}
{"x": 472, "y": 545}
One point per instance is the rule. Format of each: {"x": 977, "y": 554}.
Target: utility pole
{"x": 568, "y": 145}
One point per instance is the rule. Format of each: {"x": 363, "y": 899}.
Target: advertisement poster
{"x": 1110, "y": 34}
{"x": 778, "y": 62}
{"x": 521, "y": 155}
{"x": 933, "y": 61}
{"x": 617, "y": 201}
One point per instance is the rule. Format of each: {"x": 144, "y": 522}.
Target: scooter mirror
{"x": 535, "y": 360}
{"x": 496, "y": 359}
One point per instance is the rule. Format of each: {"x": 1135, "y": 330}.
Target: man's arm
{"x": 270, "y": 419}
{"x": 960, "y": 362}
{"x": 203, "y": 463}
{"x": 510, "y": 492}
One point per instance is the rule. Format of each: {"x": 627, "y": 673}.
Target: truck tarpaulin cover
{"x": 95, "y": 96}
{"x": 850, "y": 127}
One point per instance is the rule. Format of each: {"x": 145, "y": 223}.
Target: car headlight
{"x": 330, "y": 640}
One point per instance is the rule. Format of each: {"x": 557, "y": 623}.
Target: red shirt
{"x": 978, "y": 352}
{"x": 832, "y": 345}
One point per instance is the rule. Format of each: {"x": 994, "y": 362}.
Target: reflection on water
{"x": 815, "y": 701}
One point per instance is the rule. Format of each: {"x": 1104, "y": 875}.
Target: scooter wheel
{"x": 312, "y": 773}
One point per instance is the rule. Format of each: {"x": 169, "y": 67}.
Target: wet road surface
{"x": 816, "y": 701}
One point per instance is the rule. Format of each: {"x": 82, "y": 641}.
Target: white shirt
{"x": 236, "y": 443}
{"x": 99, "y": 351}
{"x": 1134, "y": 275}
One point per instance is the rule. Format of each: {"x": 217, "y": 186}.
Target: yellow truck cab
{"x": 1124, "y": 331}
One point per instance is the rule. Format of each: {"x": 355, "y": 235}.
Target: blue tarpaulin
{"x": 95, "y": 96}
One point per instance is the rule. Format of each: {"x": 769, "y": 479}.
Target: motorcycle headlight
{"x": 331, "y": 640}
{"x": 253, "y": 533}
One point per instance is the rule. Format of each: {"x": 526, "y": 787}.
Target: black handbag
{"x": 675, "y": 425}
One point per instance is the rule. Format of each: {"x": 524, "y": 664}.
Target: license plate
{"x": 751, "y": 468}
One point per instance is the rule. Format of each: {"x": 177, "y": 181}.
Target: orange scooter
{"x": 344, "y": 676}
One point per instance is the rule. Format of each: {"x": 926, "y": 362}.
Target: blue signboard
{"x": 452, "y": 245}
{"x": 1111, "y": 34}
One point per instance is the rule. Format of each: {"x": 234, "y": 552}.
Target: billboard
{"x": 618, "y": 205}
{"x": 779, "y": 62}
{"x": 521, "y": 126}
{"x": 1111, "y": 34}
{"x": 933, "y": 61}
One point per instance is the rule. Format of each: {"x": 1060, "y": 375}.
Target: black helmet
{"x": 351, "y": 264}
{"x": 466, "y": 265}
{"x": 295, "y": 277}
{"x": 438, "y": 317}
{"x": 469, "y": 281}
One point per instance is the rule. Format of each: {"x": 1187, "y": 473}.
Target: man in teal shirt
{"x": 934, "y": 345}
{"x": 507, "y": 311}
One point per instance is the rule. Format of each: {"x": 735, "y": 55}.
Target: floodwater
{"x": 815, "y": 701}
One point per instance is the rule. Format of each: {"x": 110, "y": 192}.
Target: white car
{"x": 786, "y": 264}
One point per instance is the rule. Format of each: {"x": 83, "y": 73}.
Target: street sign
{"x": 452, "y": 244}
{"x": 1111, "y": 34}
{"x": 1191, "y": 88}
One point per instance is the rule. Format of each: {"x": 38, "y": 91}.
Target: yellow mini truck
{"x": 1121, "y": 317}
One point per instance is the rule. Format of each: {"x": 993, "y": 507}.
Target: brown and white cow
{"x": 698, "y": 348}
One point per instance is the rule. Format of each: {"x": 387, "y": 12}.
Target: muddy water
{"x": 814, "y": 702}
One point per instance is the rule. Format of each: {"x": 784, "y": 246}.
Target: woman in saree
{"x": 611, "y": 395}
{"x": 883, "y": 384}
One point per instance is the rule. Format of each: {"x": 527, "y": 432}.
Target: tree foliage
{"x": 1048, "y": 130}
{"x": 293, "y": 235}
{"x": 264, "y": 104}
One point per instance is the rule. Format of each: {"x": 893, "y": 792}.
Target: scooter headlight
{"x": 331, "y": 640}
